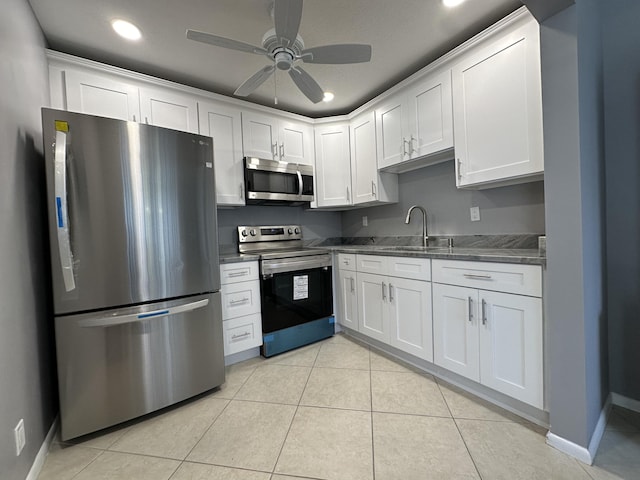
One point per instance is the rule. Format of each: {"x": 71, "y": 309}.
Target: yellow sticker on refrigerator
{"x": 62, "y": 126}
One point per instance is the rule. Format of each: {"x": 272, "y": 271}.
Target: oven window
{"x": 293, "y": 298}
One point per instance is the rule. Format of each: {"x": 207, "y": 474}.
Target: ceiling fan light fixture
{"x": 452, "y": 3}
{"x": 328, "y": 96}
{"x": 126, "y": 29}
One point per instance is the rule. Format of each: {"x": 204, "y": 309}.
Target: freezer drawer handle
{"x": 116, "y": 319}
{"x": 64, "y": 245}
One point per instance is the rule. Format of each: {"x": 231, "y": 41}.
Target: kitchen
{"x": 577, "y": 407}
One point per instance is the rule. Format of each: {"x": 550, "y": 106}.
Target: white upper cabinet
{"x": 497, "y": 109}
{"x": 333, "y": 165}
{"x": 170, "y": 109}
{"x": 274, "y": 138}
{"x": 416, "y": 123}
{"x": 101, "y": 95}
{"x": 368, "y": 185}
{"x": 224, "y": 125}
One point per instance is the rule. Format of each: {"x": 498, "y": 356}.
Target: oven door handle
{"x": 290, "y": 265}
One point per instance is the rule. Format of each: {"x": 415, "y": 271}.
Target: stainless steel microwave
{"x": 273, "y": 182}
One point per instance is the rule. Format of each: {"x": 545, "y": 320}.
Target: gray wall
{"x": 574, "y": 295}
{"x": 315, "y": 224}
{"x": 514, "y": 209}
{"x": 27, "y": 388}
{"x": 622, "y": 119}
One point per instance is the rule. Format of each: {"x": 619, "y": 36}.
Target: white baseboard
{"x": 625, "y": 402}
{"x": 584, "y": 454}
{"x": 38, "y": 463}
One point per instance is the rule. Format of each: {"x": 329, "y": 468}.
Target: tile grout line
{"x": 273, "y": 470}
{"x": 373, "y": 448}
{"x": 87, "y": 465}
{"x": 459, "y": 431}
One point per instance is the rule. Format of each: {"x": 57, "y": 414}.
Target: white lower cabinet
{"x": 241, "y": 319}
{"x": 393, "y": 309}
{"x": 494, "y": 338}
{"x": 347, "y": 299}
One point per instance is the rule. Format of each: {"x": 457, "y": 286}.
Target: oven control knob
{"x": 252, "y": 232}
{"x": 290, "y": 231}
{"x": 244, "y": 233}
{"x": 297, "y": 230}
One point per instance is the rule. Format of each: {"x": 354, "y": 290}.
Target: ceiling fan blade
{"x": 337, "y": 54}
{"x": 287, "y": 15}
{"x": 254, "y": 81}
{"x": 224, "y": 42}
{"x": 306, "y": 84}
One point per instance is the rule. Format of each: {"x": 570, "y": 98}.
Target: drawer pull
{"x": 477, "y": 276}
{"x": 238, "y": 274}
{"x": 470, "y": 309}
{"x": 240, "y": 336}
{"x": 238, "y": 302}
{"x": 384, "y": 295}
{"x": 390, "y": 293}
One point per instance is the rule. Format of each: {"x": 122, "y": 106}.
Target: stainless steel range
{"x": 295, "y": 287}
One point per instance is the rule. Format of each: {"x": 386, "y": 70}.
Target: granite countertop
{"x": 502, "y": 255}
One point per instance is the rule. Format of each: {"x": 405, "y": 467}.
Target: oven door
{"x": 269, "y": 181}
{"x": 294, "y": 298}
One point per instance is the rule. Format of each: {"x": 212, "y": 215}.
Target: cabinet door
{"x": 364, "y": 167}
{"x": 259, "y": 136}
{"x": 511, "y": 346}
{"x": 410, "y": 327}
{"x": 455, "y": 330}
{"x": 102, "y": 96}
{"x": 497, "y": 106}
{"x": 348, "y": 300}
{"x": 391, "y": 134}
{"x": 224, "y": 125}
{"x": 430, "y": 115}
{"x": 373, "y": 317}
{"x": 333, "y": 168}
{"x": 169, "y": 109}
{"x": 295, "y": 142}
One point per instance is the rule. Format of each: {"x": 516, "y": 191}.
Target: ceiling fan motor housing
{"x": 283, "y": 56}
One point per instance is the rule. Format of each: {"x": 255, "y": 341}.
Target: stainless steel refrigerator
{"x": 134, "y": 255}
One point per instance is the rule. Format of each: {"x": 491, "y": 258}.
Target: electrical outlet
{"x": 475, "y": 214}
{"x": 19, "y": 436}
{"x": 365, "y": 221}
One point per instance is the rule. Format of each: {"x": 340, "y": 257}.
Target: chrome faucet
{"x": 425, "y": 237}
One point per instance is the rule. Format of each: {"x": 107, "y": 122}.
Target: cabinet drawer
{"x": 376, "y": 264}
{"x": 347, "y": 261}
{"x": 409, "y": 267}
{"x": 499, "y": 277}
{"x": 238, "y": 272}
{"x": 239, "y": 299}
{"x": 242, "y": 333}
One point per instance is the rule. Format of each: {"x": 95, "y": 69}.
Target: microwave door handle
{"x": 62, "y": 216}
{"x": 299, "y": 182}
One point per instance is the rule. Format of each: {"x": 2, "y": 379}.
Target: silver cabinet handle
{"x": 353, "y": 285}
{"x": 384, "y": 295}
{"x": 459, "y": 169}
{"x": 390, "y": 293}
{"x": 484, "y": 312}
{"x": 281, "y": 151}
{"x": 274, "y": 150}
{"x": 470, "y": 309}
{"x": 116, "y": 319}
{"x": 62, "y": 215}
{"x": 146, "y": 120}
{"x": 243, "y": 273}
{"x": 134, "y": 118}
{"x": 240, "y": 336}
{"x": 241, "y": 191}
{"x": 477, "y": 276}
{"x": 404, "y": 146}
{"x": 238, "y": 302}
{"x": 411, "y": 149}
{"x": 373, "y": 189}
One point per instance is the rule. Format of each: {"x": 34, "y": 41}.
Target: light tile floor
{"x": 337, "y": 410}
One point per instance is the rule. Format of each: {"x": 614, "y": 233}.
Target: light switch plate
{"x": 475, "y": 214}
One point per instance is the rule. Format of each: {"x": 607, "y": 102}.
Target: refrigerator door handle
{"x": 62, "y": 216}
{"x": 112, "y": 320}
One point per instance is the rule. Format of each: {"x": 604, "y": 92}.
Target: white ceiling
{"x": 405, "y": 35}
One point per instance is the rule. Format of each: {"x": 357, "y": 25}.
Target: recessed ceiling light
{"x": 452, "y": 3}
{"x": 126, "y": 29}
{"x": 328, "y": 96}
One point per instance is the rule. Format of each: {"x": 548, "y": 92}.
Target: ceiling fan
{"x": 285, "y": 48}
